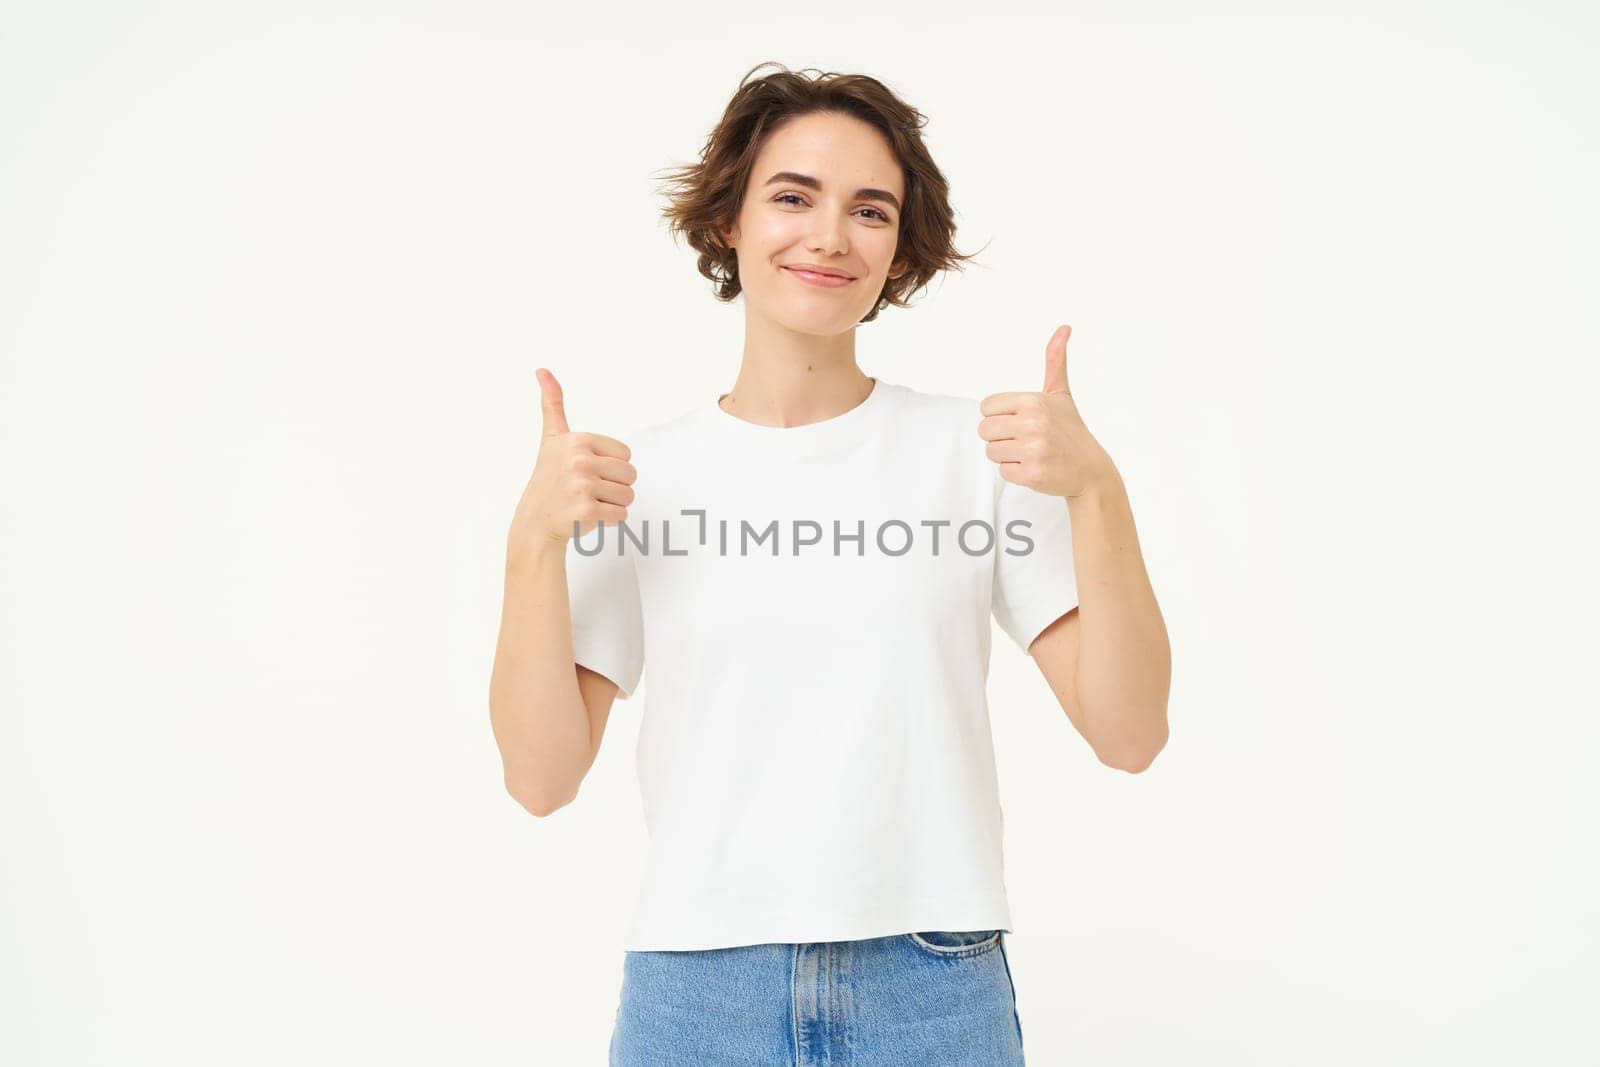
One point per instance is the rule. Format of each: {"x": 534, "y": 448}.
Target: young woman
{"x": 809, "y": 564}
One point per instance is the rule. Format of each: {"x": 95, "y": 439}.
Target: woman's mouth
{"x": 811, "y": 277}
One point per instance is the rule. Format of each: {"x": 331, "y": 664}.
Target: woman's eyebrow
{"x": 811, "y": 183}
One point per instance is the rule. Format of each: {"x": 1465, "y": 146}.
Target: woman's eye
{"x": 786, "y": 198}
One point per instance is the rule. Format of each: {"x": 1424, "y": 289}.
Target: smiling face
{"x": 825, "y": 190}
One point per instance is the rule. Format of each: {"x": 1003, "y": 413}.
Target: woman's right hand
{"x": 582, "y": 478}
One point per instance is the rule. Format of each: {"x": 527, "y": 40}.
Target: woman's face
{"x": 846, "y": 217}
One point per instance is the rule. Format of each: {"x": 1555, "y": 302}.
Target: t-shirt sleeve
{"x": 607, "y": 620}
{"x": 1038, "y": 586}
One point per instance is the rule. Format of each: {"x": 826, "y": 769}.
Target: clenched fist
{"x": 578, "y": 478}
{"x": 1039, "y": 439}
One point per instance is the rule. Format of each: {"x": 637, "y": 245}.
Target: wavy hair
{"x": 706, "y": 196}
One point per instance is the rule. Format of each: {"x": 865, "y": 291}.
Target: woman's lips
{"x": 811, "y": 277}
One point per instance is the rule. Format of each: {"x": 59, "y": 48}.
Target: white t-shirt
{"x": 814, "y": 757}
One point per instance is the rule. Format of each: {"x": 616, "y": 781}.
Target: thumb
{"x": 1055, "y": 362}
{"x": 555, "y": 414}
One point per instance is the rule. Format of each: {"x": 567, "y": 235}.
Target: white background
{"x": 274, "y": 280}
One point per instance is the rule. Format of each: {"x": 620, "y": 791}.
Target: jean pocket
{"x": 956, "y": 943}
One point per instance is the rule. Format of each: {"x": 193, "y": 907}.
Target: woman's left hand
{"x": 1039, "y": 440}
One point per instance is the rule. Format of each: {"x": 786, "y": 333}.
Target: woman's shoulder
{"x": 664, "y": 432}
{"x": 938, "y": 409}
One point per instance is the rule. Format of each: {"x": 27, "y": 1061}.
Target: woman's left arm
{"x": 1108, "y": 660}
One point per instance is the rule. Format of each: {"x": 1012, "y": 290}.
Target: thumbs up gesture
{"x": 1038, "y": 439}
{"x": 578, "y": 478}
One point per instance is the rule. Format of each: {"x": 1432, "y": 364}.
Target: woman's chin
{"x": 807, "y": 317}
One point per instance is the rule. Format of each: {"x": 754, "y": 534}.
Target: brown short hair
{"x": 707, "y": 196}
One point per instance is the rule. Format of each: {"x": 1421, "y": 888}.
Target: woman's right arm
{"x": 548, "y": 713}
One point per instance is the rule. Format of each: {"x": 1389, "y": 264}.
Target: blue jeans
{"x": 940, "y": 997}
